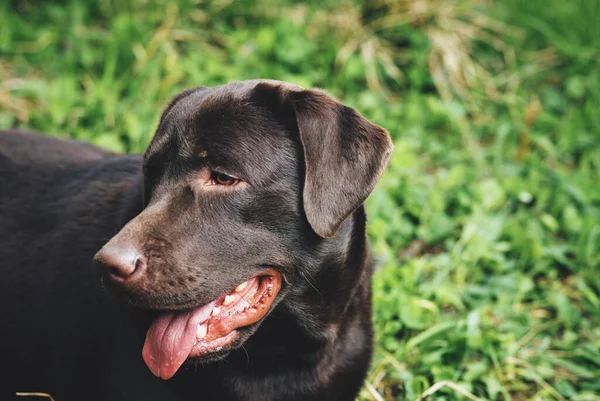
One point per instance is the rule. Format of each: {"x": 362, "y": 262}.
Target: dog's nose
{"x": 122, "y": 262}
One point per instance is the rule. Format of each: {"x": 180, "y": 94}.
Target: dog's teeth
{"x": 241, "y": 286}
{"x": 201, "y": 331}
{"x": 216, "y": 310}
{"x": 228, "y": 299}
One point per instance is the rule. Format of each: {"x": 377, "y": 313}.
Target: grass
{"x": 486, "y": 225}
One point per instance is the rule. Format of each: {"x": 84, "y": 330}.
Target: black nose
{"x": 122, "y": 262}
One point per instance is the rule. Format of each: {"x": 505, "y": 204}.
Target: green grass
{"x": 486, "y": 225}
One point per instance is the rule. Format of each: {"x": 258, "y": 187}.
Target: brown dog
{"x": 238, "y": 261}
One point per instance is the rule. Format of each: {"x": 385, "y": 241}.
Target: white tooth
{"x": 216, "y": 310}
{"x": 241, "y": 286}
{"x": 201, "y": 331}
{"x": 228, "y": 299}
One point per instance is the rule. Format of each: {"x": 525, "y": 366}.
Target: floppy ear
{"x": 344, "y": 154}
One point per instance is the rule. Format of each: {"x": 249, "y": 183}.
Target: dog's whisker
{"x": 310, "y": 282}
{"x": 247, "y": 355}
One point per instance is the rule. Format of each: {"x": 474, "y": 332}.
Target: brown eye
{"x": 217, "y": 178}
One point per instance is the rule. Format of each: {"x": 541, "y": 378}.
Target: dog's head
{"x": 246, "y": 187}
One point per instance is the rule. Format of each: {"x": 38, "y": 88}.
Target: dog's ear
{"x": 344, "y": 154}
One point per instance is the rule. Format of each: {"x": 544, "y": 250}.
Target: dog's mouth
{"x": 176, "y": 336}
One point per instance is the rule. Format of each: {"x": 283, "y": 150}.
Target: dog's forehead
{"x": 233, "y": 126}
{"x": 238, "y": 91}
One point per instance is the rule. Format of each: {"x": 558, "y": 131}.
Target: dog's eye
{"x": 217, "y": 178}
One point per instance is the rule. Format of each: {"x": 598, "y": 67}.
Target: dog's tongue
{"x": 171, "y": 338}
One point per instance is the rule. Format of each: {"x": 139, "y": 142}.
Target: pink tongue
{"x": 171, "y": 338}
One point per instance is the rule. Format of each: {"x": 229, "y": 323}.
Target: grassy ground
{"x": 487, "y": 223}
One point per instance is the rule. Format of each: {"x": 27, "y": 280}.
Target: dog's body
{"x": 192, "y": 239}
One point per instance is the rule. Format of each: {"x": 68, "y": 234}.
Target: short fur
{"x": 309, "y": 163}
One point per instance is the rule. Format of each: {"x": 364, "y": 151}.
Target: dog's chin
{"x": 236, "y": 340}
{"x": 183, "y": 333}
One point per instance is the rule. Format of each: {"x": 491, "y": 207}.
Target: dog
{"x": 229, "y": 262}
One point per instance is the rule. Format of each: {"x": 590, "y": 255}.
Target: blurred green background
{"x": 486, "y": 225}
